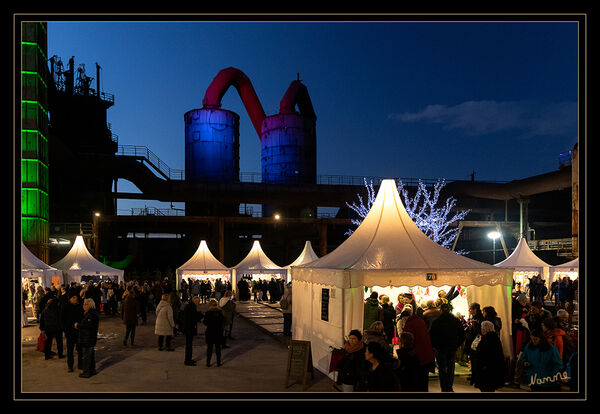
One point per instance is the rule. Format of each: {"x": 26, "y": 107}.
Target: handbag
{"x": 475, "y": 342}
{"x": 336, "y": 356}
{"x": 41, "y": 342}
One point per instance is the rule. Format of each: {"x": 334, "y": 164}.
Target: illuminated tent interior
{"x": 569, "y": 269}
{"x": 387, "y": 249}
{"x": 525, "y": 263}
{"x": 203, "y": 265}
{"x": 34, "y": 268}
{"x": 257, "y": 265}
{"x": 79, "y": 263}
{"x": 308, "y": 255}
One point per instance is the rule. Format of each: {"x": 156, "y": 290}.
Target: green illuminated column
{"x": 34, "y": 141}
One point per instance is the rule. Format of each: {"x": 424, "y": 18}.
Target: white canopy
{"x": 387, "y": 249}
{"x": 525, "y": 263}
{"x": 308, "y": 255}
{"x": 32, "y": 267}
{"x": 79, "y": 262}
{"x": 570, "y": 269}
{"x": 202, "y": 263}
{"x": 257, "y": 262}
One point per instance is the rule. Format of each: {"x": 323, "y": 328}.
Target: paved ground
{"x": 253, "y": 367}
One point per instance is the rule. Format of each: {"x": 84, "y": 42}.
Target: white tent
{"x": 569, "y": 269}
{"x": 525, "y": 263}
{"x": 387, "y": 249}
{"x": 203, "y": 265}
{"x": 308, "y": 255}
{"x": 34, "y": 268}
{"x": 79, "y": 262}
{"x": 257, "y": 265}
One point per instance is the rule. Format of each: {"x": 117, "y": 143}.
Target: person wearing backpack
{"x": 286, "y": 308}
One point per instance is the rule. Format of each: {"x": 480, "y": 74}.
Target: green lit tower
{"x": 34, "y": 139}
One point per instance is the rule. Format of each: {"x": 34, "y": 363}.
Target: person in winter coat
{"x": 447, "y": 334}
{"x": 542, "y": 363}
{"x": 388, "y": 314}
{"x": 88, "y": 336}
{"x": 351, "y": 368}
{"x": 553, "y": 334}
{"x": 432, "y": 313}
{"x": 423, "y": 348}
{"x": 50, "y": 324}
{"x": 380, "y": 375}
{"x": 227, "y": 306}
{"x": 536, "y": 315}
{"x": 164, "y": 324}
{"x": 409, "y": 369}
{"x": 71, "y": 314}
{"x": 376, "y": 333}
{"x": 490, "y": 314}
{"x": 213, "y": 319}
{"x": 286, "y": 308}
{"x": 520, "y": 334}
{"x": 131, "y": 308}
{"x": 488, "y": 360}
{"x": 191, "y": 317}
{"x": 372, "y": 311}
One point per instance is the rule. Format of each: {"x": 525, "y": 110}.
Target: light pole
{"x": 494, "y": 235}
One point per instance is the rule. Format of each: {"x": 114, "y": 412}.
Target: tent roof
{"x": 31, "y": 263}
{"x": 308, "y": 255}
{"x": 79, "y": 261}
{"x": 389, "y": 249}
{"x": 522, "y": 258}
{"x": 257, "y": 261}
{"x": 573, "y": 264}
{"x": 203, "y": 261}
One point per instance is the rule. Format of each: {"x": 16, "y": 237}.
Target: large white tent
{"x": 387, "y": 249}
{"x": 79, "y": 262}
{"x": 525, "y": 263}
{"x": 34, "y": 268}
{"x": 308, "y": 255}
{"x": 569, "y": 269}
{"x": 203, "y": 265}
{"x": 257, "y": 265}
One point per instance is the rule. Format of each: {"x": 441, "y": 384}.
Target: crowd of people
{"x": 400, "y": 345}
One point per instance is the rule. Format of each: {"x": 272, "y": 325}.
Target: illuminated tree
{"x": 436, "y": 222}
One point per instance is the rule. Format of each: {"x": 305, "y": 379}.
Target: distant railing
{"x": 150, "y": 211}
{"x": 140, "y": 151}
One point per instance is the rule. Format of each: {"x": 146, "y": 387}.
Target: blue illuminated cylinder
{"x": 288, "y": 149}
{"x": 212, "y": 145}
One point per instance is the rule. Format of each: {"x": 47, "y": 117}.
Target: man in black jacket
{"x": 447, "y": 334}
{"x": 191, "y": 317}
{"x": 88, "y": 336}
{"x": 50, "y": 324}
{"x": 71, "y": 314}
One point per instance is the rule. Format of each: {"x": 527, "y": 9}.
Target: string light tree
{"x": 436, "y": 222}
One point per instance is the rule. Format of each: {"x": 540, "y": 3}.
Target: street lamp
{"x": 494, "y": 235}
{"x": 277, "y": 216}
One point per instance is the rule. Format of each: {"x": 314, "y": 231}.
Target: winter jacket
{"x": 431, "y": 315}
{"x": 447, "y": 332}
{"x": 287, "y": 295}
{"x": 382, "y": 378}
{"x": 164, "y": 319}
{"x": 131, "y": 308}
{"x": 487, "y": 362}
{"x": 543, "y": 365}
{"x": 213, "y": 319}
{"x": 191, "y": 317}
{"x": 50, "y": 319}
{"x": 388, "y": 318}
{"x": 555, "y": 337}
{"x": 373, "y": 312}
{"x": 70, "y": 315}
{"x": 88, "y": 328}
{"x": 228, "y": 307}
{"x": 423, "y": 348}
{"x": 352, "y": 367}
{"x": 381, "y": 338}
{"x": 472, "y": 330}
{"x": 409, "y": 370}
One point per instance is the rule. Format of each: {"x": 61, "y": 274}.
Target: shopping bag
{"x": 41, "y": 342}
{"x": 336, "y": 357}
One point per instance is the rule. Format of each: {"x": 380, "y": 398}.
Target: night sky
{"x": 397, "y": 99}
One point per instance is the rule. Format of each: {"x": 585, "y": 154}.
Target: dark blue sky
{"x": 398, "y": 99}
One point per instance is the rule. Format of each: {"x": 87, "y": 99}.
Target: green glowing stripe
{"x": 28, "y": 72}
{"x": 35, "y": 131}
{"x": 38, "y": 46}
{"x": 43, "y": 28}
{"x": 33, "y": 218}
{"x": 34, "y": 160}
{"x": 36, "y": 189}
{"x": 36, "y": 103}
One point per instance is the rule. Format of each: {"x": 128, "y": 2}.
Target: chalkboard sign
{"x": 325, "y": 304}
{"x": 299, "y": 362}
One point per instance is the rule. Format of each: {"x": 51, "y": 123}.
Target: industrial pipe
{"x": 221, "y": 83}
{"x": 297, "y": 94}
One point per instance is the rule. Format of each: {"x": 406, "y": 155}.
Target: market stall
{"x": 80, "y": 266}
{"x": 386, "y": 250}
{"x": 203, "y": 266}
{"x": 256, "y": 265}
{"x": 35, "y": 270}
{"x": 569, "y": 269}
{"x": 308, "y": 255}
{"x": 526, "y": 265}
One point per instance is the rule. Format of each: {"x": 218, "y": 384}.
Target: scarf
{"x": 353, "y": 348}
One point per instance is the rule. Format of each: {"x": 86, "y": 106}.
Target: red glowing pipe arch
{"x": 297, "y": 94}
